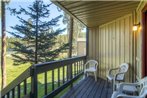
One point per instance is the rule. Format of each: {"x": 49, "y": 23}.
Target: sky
{"x": 11, "y": 20}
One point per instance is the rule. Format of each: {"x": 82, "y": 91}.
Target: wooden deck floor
{"x": 88, "y": 88}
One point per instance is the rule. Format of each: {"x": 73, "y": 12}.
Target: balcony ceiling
{"x": 94, "y": 13}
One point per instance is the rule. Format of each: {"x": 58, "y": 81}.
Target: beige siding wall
{"x": 112, "y": 44}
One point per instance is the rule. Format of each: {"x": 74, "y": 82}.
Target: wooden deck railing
{"x": 46, "y": 79}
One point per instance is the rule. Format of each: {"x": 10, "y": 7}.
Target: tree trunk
{"x": 3, "y": 48}
{"x": 36, "y": 43}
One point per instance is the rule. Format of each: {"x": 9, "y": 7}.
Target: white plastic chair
{"x": 91, "y": 67}
{"x": 124, "y": 88}
{"x": 142, "y": 94}
{"x": 119, "y": 76}
{"x": 133, "y": 87}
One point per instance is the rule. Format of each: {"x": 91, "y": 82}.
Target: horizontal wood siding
{"x": 112, "y": 44}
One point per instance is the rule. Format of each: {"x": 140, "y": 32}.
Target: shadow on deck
{"x": 88, "y": 88}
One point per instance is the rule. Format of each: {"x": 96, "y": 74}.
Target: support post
{"x": 87, "y": 42}
{"x": 70, "y": 37}
{"x": 69, "y": 68}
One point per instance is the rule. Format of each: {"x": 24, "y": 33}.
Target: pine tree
{"x": 38, "y": 39}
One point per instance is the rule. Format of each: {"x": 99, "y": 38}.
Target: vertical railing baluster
{"x": 82, "y": 65}
{"x": 63, "y": 75}
{"x": 58, "y": 77}
{"x": 71, "y": 70}
{"x": 79, "y": 65}
{"x": 53, "y": 80}
{"x": 8, "y": 95}
{"x": 75, "y": 69}
{"x": 18, "y": 92}
{"x": 13, "y": 93}
{"x": 45, "y": 83}
{"x": 67, "y": 72}
{"x": 25, "y": 87}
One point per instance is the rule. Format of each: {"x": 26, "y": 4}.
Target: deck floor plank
{"x": 76, "y": 89}
{"x": 86, "y": 88}
{"x": 91, "y": 94}
{"x": 104, "y": 91}
{"x": 80, "y": 92}
{"x": 99, "y": 90}
{"x": 89, "y": 88}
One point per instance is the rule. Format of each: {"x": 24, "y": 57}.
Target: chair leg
{"x": 114, "y": 86}
{"x": 85, "y": 75}
{"x": 107, "y": 83}
{"x": 95, "y": 76}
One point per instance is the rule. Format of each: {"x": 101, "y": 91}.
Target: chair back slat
{"x": 123, "y": 69}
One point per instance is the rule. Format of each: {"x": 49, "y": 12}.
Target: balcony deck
{"x": 88, "y": 88}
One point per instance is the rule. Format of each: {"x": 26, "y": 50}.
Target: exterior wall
{"x": 112, "y": 44}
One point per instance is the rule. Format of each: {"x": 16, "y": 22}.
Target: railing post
{"x": 69, "y": 72}
{"x": 34, "y": 86}
{"x": 84, "y": 61}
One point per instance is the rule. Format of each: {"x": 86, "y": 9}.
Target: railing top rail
{"x": 64, "y": 60}
{"x": 40, "y": 68}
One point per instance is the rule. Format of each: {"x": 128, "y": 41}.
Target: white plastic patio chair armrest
{"x": 113, "y": 70}
{"x": 85, "y": 65}
{"x": 121, "y": 85}
{"x": 127, "y": 96}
